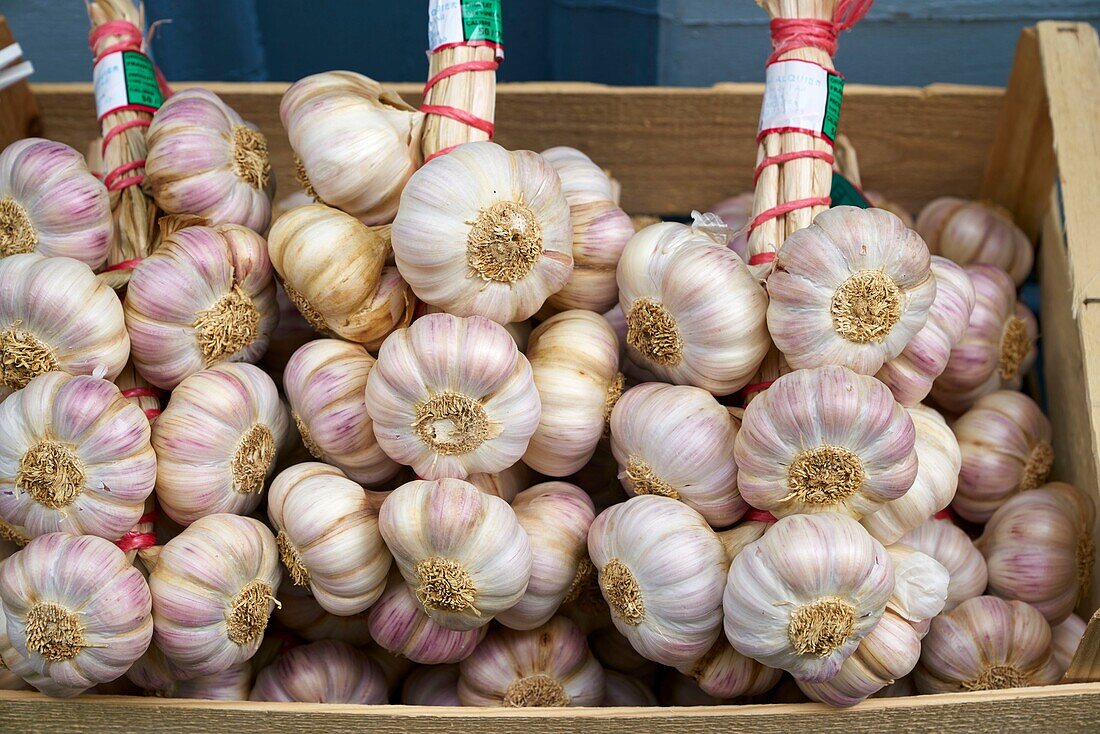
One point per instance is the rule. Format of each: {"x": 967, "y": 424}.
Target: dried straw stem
{"x": 472, "y": 91}
{"x": 129, "y": 379}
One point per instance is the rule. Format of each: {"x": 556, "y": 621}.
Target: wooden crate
{"x": 1034, "y": 148}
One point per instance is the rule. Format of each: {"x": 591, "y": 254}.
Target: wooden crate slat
{"x": 19, "y": 116}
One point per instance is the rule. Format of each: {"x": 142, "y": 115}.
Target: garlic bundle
{"x": 322, "y": 672}
{"x": 1005, "y": 441}
{"x": 51, "y": 203}
{"x": 16, "y": 673}
{"x": 725, "y": 673}
{"x": 910, "y": 374}
{"x": 431, "y": 685}
{"x": 736, "y": 212}
{"x": 547, "y": 666}
{"x": 216, "y": 442}
{"x": 300, "y": 613}
{"x": 976, "y": 232}
{"x": 213, "y": 591}
{"x": 497, "y": 244}
{"x": 1065, "y": 638}
{"x": 355, "y": 143}
{"x": 326, "y": 383}
{"x": 205, "y": 296}
{"x": 328, "y": 537}
{"x": 1038, "y": 548}
{"x": 953, "y": 549}
{"x": 399, "y": 624}
{"x": 695, "y": 315}
{"x": 76, "y": 611}
{"x": 985, "y": 644}
{"x": 662, "y": 571}
{"x": 463, "y": 552}
{"x": 997, "y": 349}
{"x": 232, "y": 684}
{"x": 825, "y": 440}
{"x": 204, "y": 159}
{"x": 575, "y": 365}
{"x": 55, "y": 315}
{"x": 556, "y": 517}
{"x": 677, "y": 441}
{"x": 75, "y": 458}
{"x": 938, "y": 461}
{"x": 452, "y": 397}
{"x": 803, "y": 596}
{"x": 333, "y": 268}
{"x": 625, "y": 690}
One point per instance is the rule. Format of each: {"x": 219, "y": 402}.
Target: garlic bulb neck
{"x": 652, "y": 330}
{"x": 452, "y": 424}
{"x": 505, "y": 242}
{"x": 51, "y": 473}
{"x": 535, "y": 691}
{"x": 228, "y": 326}
{"x": 821, "y": 627}
{"x": 445, "y": 585}
{"x": 54, "y": 632}
{"x": 23, "y": 356}
{"x": 996, "y": 677}
{"x": 249, "y": 612}
{"x": 646, "y": 481}
{"x": 250, "y": 159}
{"x": 622, "y": 592}
{"x": 1037, "y": 468}
{"x": 825, "y": 475}
{"x": 255, "y": 453}
{"x": 17, "y": 234}
{"x": 1015, "y": 345}
{"x": 292, "y": 559}
{"x": 866, "y": 307}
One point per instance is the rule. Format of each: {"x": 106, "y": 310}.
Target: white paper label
{"x": 464, "y": 21}
{"x": 123, "y": 79}
{"x": 801, "y": 95}
{"x": 444, "y": 23}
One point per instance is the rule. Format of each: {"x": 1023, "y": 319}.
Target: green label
{"x": 141, "y": 80}
{"x": 832, "y": 106}
{"x": 481, "y": 21}
{"x": 844, "y": 193}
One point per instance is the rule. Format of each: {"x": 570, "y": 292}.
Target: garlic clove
{"x": 431, "y": 685}
{"x": 400, "y": 625}
{"x": 624, "y": 690}
{"x": 1066, "y": 637}
{"x": 976, "y": 232}
{"x": 953, "y": 549}
{"x": 322, "y": 672}
{"x": 300, "y": 613}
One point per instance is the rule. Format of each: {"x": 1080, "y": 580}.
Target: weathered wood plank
{"x": 18, "y": 110}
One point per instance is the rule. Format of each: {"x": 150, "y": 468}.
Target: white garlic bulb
{"x": 431, "y": 685}
{"x": 920, "y": 584}
{"x": 574, "y": 360}
{"x": 322, "y": 672}
{"x": 462, "y": 551}
{"x": 300, "y": 613}
{"x": 582, "y": 181}
{"x": 725, "y": 673}
{"x": 976, "y": 232}
{"x": 953, "y": 549}
{"x": 399, "y": 624}
{"x": 452, "y": 397}
{"x": 497, "y": 244}
{"x": 217, "y": 441}
{"x": 662, "y": 571}
{"x": 1065, "y": 639}
{"x": 625, "y": 690}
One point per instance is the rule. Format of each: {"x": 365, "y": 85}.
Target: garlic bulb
{"x": 55, "y": 315}
{"x": 575, "y": 365}
{"x": 505, "y": 484}
{"x": 725, "y": 673}
{"x": 204, "y": 159}
{"x": 736, "y": 212}
{"x": 556, "y": 517}
{"x": 51, "y": 203}
{"x": 879, "y": 201}
{"x": 334, "y": 270}
{"x": 76, "y": 610}
{"x": 803, "y": 596}
{"x": 677, "y": 441}
{"x": 322, "y": 672}
{"x": 1065, "y": 639}
{"x": 910, "y": 374}
{"x": 938, "y": 461}
{"x": 1005, "y": 441}
{"x": 17, "y": 674}
{"x": 232, "y": 684}
{"x": 662, "y": 571}
{"x": 920, "y": 584}
{"x": 851, "y": 289}
{"x": 431, "y": 685}
{"x": 825, "y": 440}
{"x": 452, "y": 397}
{"x": 631, "y": 371}
{"x": 547, "y": 666}
{"x": 213, "y": 591}
{"x": 75, "y": 458}
{"x": 399, "y": 624}
{"x": 615, "y": 653}
{"x": 582, "y": 181}
{"x": 328, "y": 537}
{"x": 463, "y": 552}
{"x": 326, "y": 383}
{"x": 976, "y": 232}
{"x": 216, "y": 442}
{"x": 997, "y": 349}
{"x": 695, "y": 314}
{"x": 355, "y": 143}
{"x": 953, "y": 549}
{"x": 205, "y": 296}
{"x": 496, "y": 245}
{"x": 624, "y": 690}
{"x": 985, "y": 644}
{"x": 300, "y": 613}
{"x": 153, "y": 671}
{"x": 1038, "y": 547}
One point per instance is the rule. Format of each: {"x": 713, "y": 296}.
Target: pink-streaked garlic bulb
{"x": 1038, "y": 548}
{"x": 632, "y": 372}
{"x": 910, "y": 374}
{"x": 206, "y": 296}
{"x": 803, "y": 596}
{"x": 625, "y": 690}
{"x": 217, "y": 442}
{"x": 76, "y": 610}
{"x": 1006, "y": 449}
{"x": 322, "y": 672}
{"x": 556, "y": 517}
{"x": 75, "y": 458}
{"x": 851, "y": 289}
{"x": 953, "y": 549}
{"x": 326, "y": 383}
{"x": 51, "y": 203}
{"x": 505, "y": 484}
{"x": 725, "y": 673}
{"x": 825, "y": 440}
{"x": 574, "y": 358}
{"x": 581, "y": 179}
{"x": 985, "y": 644}
{"x": 662, "y": 570}
{"x": 736, "y": 212}
{"x": 328, "y": 537}
{"x": 55, "y": 315}
{"x": 300, "y": 613}
{"x": 153, "y": 671}
{"x": 463, "y": 552}
{"x": 976, "y": 232}
{"x": 213, "y": 592}
{"x": 233, "y": 684}
{"x": 938, "y": 461}
{"x": 431, "y": 685}
{"x": 677, "y": 441}
{"x": 997, "y": 349}
{"x": 204, "y": 159}
{"x": 17, "y": 674}
{"x": 453, "y": 396}
{"x": 547, "y": 666}
{"x": 695, "y": 315}
{"x": 399, "y": 624}
{"x": 1065, "y": 639}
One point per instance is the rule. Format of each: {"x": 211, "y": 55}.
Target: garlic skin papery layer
{"x": 976, "y": 232}
{"x": 322, "y": 672}
{"x": 953, "y": 549}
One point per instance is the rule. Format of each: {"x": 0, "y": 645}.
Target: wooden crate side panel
{"x": 18, "y": 109}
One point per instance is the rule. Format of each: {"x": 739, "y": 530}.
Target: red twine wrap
{"x": 145, "y": 392}
{"x": 125, "y": 264}
{"x": 456, "y": 113}
{"x": 755, "y": 515}
{"x": 945, "y": 514}
{"x": 135, "y": 539}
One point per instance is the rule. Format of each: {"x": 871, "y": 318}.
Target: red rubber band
{"x": 136, "y": 541}
{"x": 441, "y": 151}
{"x": 945, "y": 514}
{"x": 110, "y": 178}
{"x": 126, "y": 183}
{"x": 776, "y": 160}
{"x": 464, "y": 67}
{"x": 788, "y": 207}
{"x": 120, "y": 128}
{"x": 461, "y": 115}
{"x": 152, "y": 413}
{"x": 124, "y": 265}
{"x": 789, "y": 34}
{"x": 755, "y": 515}
{"x": 762, "y": 258}
{"x": 757, "y": 387}
{"x": 142, "y": 392}
{"x": 454, "y": 113}
{"x": 147, "y": 518}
